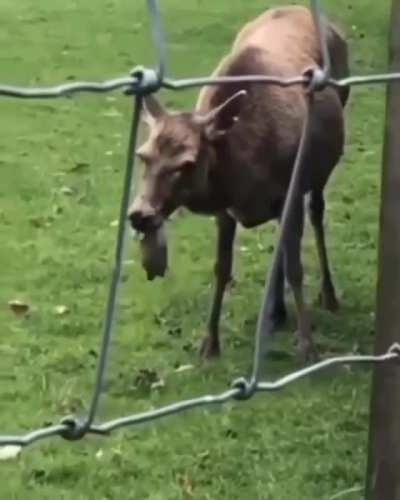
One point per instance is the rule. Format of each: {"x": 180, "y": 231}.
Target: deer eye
{"x": 182, "y": 168}
{"x": 188, "y": 165}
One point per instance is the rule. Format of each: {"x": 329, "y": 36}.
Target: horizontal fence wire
{"x": 393, "y": 355}
{"x": 134, "y": 84}
{"x": 143, "y": 81}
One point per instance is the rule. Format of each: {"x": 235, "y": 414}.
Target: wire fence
{"x": 143, "y": 81}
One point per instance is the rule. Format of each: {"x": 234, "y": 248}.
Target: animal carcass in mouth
{"x": 153, "y": 245}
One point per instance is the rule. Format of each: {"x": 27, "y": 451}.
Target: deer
{"x": 231, "y": 157}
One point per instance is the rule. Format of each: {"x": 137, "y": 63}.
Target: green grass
{"x": 307, "y": 442}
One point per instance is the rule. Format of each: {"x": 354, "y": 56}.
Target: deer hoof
{"x": 306, "y": 351}
{"x": 209, "y": 349}
{"x": 328, "y": 302}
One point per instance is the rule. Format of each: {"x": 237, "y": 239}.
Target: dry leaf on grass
{"x": 18, "y": 307}
{"x": 67, "y": 191}
{"x": 79, "y": 166}
{"x": 61, "y": 310}
{"x": 158, "y": 384}
{"x": 184, "y": 368}
{"x": 9, "y": 452}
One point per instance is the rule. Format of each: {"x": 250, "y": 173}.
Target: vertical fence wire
{"x": 158, "y": 38}
{"x": 119, "y": 250}
{"x": 265, "y": 326}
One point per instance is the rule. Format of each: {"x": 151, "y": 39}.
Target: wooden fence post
{"x": 383, "y": 474}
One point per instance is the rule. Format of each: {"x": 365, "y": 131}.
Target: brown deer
{"x": 233, "y": 155}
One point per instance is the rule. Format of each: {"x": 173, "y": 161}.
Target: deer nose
{"x": 142, "y": 221}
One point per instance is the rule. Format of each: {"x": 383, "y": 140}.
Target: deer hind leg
{"x": 279, "y": 314}
{"x": 226, "y": 227}
{"x": 316, "y": 207}
{"x": 294, "y": 275}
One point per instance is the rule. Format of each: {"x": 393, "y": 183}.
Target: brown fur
{"x": 240, "y": 170}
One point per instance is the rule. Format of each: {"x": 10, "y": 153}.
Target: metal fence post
{"x": 383, "y": 474}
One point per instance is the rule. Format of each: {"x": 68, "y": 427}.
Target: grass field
{"x": 61, "y": 166}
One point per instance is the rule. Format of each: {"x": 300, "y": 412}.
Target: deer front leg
{"x": 278, "y": 315}
{"x": 327, "y": 296}
{"x": 226, "y": 227}
{"x": 294, "y": 275}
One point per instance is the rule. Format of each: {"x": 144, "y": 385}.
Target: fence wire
{"x": 139, "y": 83}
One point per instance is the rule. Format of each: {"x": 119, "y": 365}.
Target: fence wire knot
{"x": 74, "y": 428}
{"x": 148, "y": 81}
{"x": 395, "y": 349}
{"x": 317, "y": 78}
{"x": 246, "y": 389}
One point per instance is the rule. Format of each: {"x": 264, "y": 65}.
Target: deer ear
{"x": 153, "y": 110}
{"x": 221, "y": 119}
{"x": 144, "y": 152}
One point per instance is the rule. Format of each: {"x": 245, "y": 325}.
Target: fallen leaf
{"x": 184, "y": 368}
{"x": 204, "y": 456}
{"x": 114, "y": 223}
{"x": 18, "y": 307}
{"x": 67, "y": 191}
{"x": 9, "y": 452}
{"x": 79, "y": 166}
{"x": 99, "y": 454}
{"x": 158, "y": 385}
{"x": 187, "y": 484}
{"x": 145, "y": 378}
{"x": 61, "y": 310}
